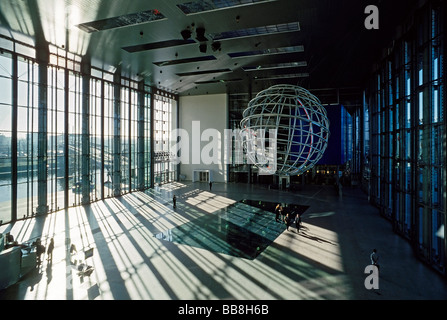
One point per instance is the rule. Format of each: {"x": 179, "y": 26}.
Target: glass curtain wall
{"x": 71, "y": 134}
{"x": 362, "y": 117}
{"x": 129, "y": 135}
{"x": 147, "y": 141}
{"x": 109, "y": 146}
{"x": 407, "y": 136}
{"x": 239, "y": 170}
{"x": 134, "y": 147}
{"x": 27, "y": 134}
{"x": 96, "y": 140}
{"x": 6, "y": 74}
{"x": 55, "y": 138}
{"x": 125, "y": 139}
{"x": 75, "y": 138}
{"x": 165, "y": 115}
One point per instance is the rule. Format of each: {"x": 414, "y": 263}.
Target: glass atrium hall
{"x": 80, "y": 125}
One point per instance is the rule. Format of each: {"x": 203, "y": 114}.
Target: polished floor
{"x": 143, "y": 248}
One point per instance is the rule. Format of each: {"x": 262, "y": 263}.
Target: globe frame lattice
{"x": 301, "y": 125}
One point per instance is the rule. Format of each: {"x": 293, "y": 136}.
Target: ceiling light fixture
{"x": 202, "y": 47}
{"x": 215, "y": 46}
{"x": 201, "y": 34}
{"x": 186, "y": 34}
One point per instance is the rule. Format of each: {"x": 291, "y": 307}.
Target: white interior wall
{"x": 212, "y": 113}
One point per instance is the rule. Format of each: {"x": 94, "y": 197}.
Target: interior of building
{"x": 111, "y": 108}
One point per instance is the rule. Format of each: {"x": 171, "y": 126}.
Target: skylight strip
{"x": 218, "y": 81}
{"x": 276, "y": 66}
{"x": 272, "y": 29}
{"x": 284, "y": 76}
{"x": 242, "y": 54}
{"x": 195, "y": 73}
{"x": 212, "y": 5}
{"x": 157, "y": 45}
{"x": 186, "y": 60}
{"x": 121, "y": 21}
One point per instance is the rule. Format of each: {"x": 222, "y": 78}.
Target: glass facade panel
{"x": 6, "y": 136}
{"x": 164, "y": 169}
{"x": 78, "y": 138}
{"x": 96, "y": 144}
{"x": 109, "y": 146}
{"x": 133, "y": 140}
{"x": 408, "y": 136}
{"x": 27, "y": 135}
{"x": 125, "y": 139}
{"x": 75, "y": 139}
{"x": 148, "y": 132}
{"x": 55, "y": 137}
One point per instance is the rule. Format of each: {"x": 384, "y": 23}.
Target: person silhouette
{"x": 50, "y": 250}
{"x": 298, "y": 222}
{"x": 375, "y": 258}
{"x": 288, "y": 220}
{"x": 40, "y": 249}
{"x": 281, "y": 212}
{"x": 277, "y": 212}
{"x": 73, "y": 249}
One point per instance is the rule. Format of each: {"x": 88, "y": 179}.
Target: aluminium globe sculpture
{"x": 300, "y": 124}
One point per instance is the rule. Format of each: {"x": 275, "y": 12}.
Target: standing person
{"x": 298, "y": 222}
{"x": 375, "y": 258}
{"x": 72, "y": 252}
{"x": 211, "y": 184}
{"x": 40, "y": 249}
{"x": 50, "y": 250}
{"x": 277, "y": 212}
{"x": 288, "y": 220}
{"x": 174, "y": 201}
{"x": 73, "y": 249}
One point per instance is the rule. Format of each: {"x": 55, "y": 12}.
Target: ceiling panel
{"x": 312, "y": 43}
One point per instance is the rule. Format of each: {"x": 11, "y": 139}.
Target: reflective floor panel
{"x": 244, "y": 229}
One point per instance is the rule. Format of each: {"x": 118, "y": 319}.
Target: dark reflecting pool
{"x": 244, "y": 229}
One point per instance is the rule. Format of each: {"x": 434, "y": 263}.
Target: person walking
{"x": 174, "y": 201}
{"x": 211, "y": 184}
{"x": 298, "y": 222}
{"x": 40, "y": 249}
{"x": 50, "y": 250}
{"x": 375, "y": 258}
{"x": 288, "y": 220}
{"x": 73, "y": 249}
{"x": 281, "y": 213}
{"x": 277, "y": 212}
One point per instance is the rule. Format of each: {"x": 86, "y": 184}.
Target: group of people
{"x": 288, "y": 216}
{"x": 37, "y": 244}
{"x": 40, "y": 249}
